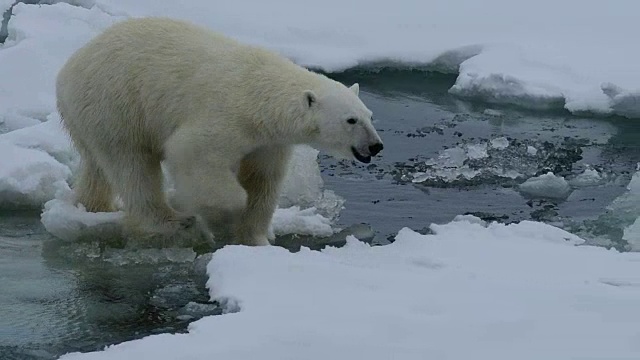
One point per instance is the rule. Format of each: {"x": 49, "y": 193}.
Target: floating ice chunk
{"x": 198, "y": 310}
{"x": 453, "y": 157}
{"x": 474, "y": 162}
{"x": 470, "y": 219}
{"x": 546, "y": 186}
{"x": 29, "y": 177}
{"x": 201, "y": 262}
{"x": 590, "y": 177}
{"x": 67, "y": 221}
{"x": 477, "y": 151}
{"x": 492, "y": 112}
{"x": 505, "y": 173}
{"x": 532, "y": 150}
{"x": 303, "y": 222}
{"x": 121, "y": 257}
{"x": 420, "y": 176}
{"x": 303, "y": 185}
{"x": 631, "y": 235}
{"x": 634, "y": 184}
{"x": 500, "y": 143}
{"x": 621, "y": 219}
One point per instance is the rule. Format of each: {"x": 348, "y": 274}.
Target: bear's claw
{"x": 186, "y": 222}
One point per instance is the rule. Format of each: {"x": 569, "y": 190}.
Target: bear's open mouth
{"x": 359, "y": 157}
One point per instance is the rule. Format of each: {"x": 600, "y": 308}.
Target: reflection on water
{"x": 54, "y": 299}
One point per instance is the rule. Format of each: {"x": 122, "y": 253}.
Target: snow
{"x": 303, "y": 187}
{"x": 37, "y": 162}
{"x": 30, "y": 61}
{"x": 293, "y": 220}
{"x": 546, "y": 186}
{"x": 537, "y": 55}
{"x": 5, "y": 5}
{"x": 32, "y": 180}
{"x": 477, "y": 151}
{"x": 68, "y": 221}
{"x": 500, "y": 143}
{"x": 48, "y": 137}
{"x": 589, "y": 177}
{"x": 520, "y": 291}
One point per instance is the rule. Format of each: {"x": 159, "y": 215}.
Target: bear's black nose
{"x": 375, "y": 149}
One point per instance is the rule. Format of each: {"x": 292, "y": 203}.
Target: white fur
{"x": 222, "y": 115}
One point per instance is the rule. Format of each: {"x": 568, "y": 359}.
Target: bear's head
{"x": 342, "y": 122}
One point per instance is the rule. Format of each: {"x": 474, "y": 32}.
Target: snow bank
{"x": 576, "y": 54}
{"x": 28, "y": 177}
{"x": 522, "y": 291}
{"x": 37, "y": 159}
{"x": 36, "y": 162}
{"x": 41, "y": 38}
{"x": 5, "y": 5}
{"x": 49, "y": 137}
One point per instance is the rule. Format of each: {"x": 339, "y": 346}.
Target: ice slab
{"x": 546, "y": 186}
{"x": 524, "y": 291}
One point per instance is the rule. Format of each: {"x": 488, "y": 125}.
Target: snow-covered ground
{"x": 540, "y": 54}
{"x": 471, "y": 290}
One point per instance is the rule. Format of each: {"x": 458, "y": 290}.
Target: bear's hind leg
{"x": 92, "y": 189}
{"x": 261, "y": 174}
{"x": 140, "y": 184}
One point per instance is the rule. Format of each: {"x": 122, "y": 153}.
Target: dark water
{"x": 417, "y": 122}
{"x": 57, "y": 297}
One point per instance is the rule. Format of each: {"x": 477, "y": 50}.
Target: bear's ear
{"x": 355, "y": 88}
{"x": 309, "y": 98}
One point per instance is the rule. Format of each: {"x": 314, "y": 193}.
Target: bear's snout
{"x": 375, "y": 148}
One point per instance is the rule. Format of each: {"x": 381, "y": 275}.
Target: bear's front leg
{"x": 215, "y": 195}
{"x": 205, "y": 183}
{"x": 261, "y": 174}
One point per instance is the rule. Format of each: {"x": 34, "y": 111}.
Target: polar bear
{"x": 221, "y": 115}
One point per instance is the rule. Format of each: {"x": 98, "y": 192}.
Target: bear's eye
{"x": 352, "y": 121}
